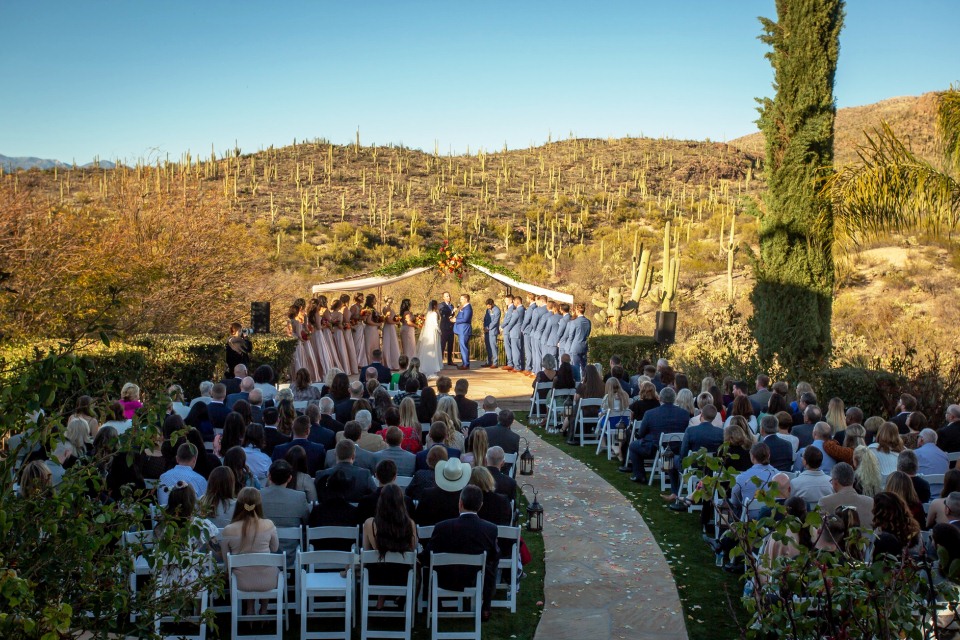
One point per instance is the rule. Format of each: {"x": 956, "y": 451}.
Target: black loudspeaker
{"x": 666, "y": 332}
{"x": 260, "y": 317}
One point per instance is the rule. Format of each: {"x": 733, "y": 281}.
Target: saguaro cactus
{"x": 670, "y": 270}
{"x": 730, "y": 248}
{"x": 643, "y": 277}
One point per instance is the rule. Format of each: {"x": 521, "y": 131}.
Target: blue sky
{"x": 144, "y": 79}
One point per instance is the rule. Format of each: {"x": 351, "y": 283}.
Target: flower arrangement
{"x": 419, "y": 320}
{"x": 451, "y": 262}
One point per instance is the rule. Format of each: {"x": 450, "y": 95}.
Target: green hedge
{"x": 274, "y": 350}
{"x": 631, "y": 349}
{"x": 875, "y": 392}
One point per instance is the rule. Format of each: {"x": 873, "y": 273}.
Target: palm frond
{"x": 893, "y": 190}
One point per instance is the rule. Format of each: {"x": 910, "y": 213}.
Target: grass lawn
{"x": 710, "y": 596}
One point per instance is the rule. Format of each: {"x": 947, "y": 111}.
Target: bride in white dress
{"x": 428, "y": 346}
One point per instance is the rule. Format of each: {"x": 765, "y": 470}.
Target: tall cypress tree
{"x": 793, "y": 295}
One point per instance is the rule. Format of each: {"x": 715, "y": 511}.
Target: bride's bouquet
{"x": 419, "y": 320}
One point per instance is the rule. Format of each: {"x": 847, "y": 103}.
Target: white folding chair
{"x": 138, "y": 545}
{"x": 370, "y": 592}
{"x": 665, "y": 439}
{"x": 180, "y": 409}
{"x": 423, "y": 536}
{"x": 472, "y": 594}
{"x": 935, "y": 480}
{"x": 511, "y": 459}
{"x": 199, "y": 620}
{"x": 953, "y": 456}
{"x": 300, "y": 405}
{"x": 582, "y": 421}
{"x": 324, "y": 593}
{"x": 614, "y": 424}
{"x": 293, "y": 536}
{"x": 333, "y": 539}
{"x": 508, "y": 567}
{"x": 277, "y": 593}
{"x": 558, "y": 397}
{"x": 539, "y": 403}
{"x": 403, "y": 481}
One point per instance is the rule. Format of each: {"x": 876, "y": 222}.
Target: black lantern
{"x": 525, "y": 460}
{"x": 666, "y": 459}
{"x": 534, "y": 512}
{"x": 568, "y": 407}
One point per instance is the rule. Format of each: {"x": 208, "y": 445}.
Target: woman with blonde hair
{"x": 250, "y": 532}
{"x": 477, "y": 445}
{"x": 685, "y": 401}
{"x": 706, "y": 383}
{"x": 739, "y": 422}
{"x": 35, "y": 480}
{"x": 84, "y": 409}
{"x": 868, "y": 480}
{"x": 887, "y": 447}
{"x": 836, "y": 415}
{"x": 130, "y": 400}
{"x": 802, "y": 388}
{"x": 408, "y": 414}
{"x": 413, "y": 371}
{"x": 737, "y": 442}
{"x": 495, "y": 507}
{"x": 448, "y": 414}
{"x": 76, "y": 443}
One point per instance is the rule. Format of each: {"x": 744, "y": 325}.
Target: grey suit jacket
{"x": 364, "y": 459}
{"x": 579, "y": 333}
{"x": 518, "y": 320}
{"x": 847, "y": 496}
{"x": 539, "y": 321}
{"x": 507, "y": 318}
{"x": 406, "y": 461}
{"x": 551, "y": 334}
{"x": 492, "y": 319}
{"x": 563, "y": 338}
{"x": 529, "y": 316}
{"x": 286, "y": 508}
{"x": 361, "y": 481}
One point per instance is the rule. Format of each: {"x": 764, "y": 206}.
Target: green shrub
{"x": 275, "y": 350}
{"x": 875, "y": 392}
{"x": 184, "y": 360}
{"x": 631, "y": 349}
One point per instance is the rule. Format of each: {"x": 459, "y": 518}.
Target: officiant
{"x": 446, "y": 313}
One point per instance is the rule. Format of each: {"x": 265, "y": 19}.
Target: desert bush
{"x": 184, "y": 360}
{"x": 875, "y": 392}
{"x": 275, "y": 350}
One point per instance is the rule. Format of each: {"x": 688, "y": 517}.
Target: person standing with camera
{"x": 239, "y": 347}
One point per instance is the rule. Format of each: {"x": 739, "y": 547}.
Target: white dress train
{"x": 428, "y": 346}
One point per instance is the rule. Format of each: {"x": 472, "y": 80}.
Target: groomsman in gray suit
{"x": 491, "y": 329}
{"x": 551, "y": 335}
{"x": 563, "y": 340}
{"x": 536, "y": 333}
{"x": 526, "y": 332}
{"x": 580, "y": 332}
{"x": 516, "y": 332}
{"x": 505, "y": 331}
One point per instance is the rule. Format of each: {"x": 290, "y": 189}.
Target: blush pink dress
{"x": 391, "y": 344}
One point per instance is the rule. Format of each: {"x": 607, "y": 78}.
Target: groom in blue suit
{"x": 462, "y": 327}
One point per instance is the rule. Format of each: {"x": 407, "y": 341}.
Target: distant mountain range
{"x": 12, "y": 164}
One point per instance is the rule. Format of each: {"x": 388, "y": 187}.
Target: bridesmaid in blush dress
{"x": 320, "y": 350}
{"x": 350, "y": 366}
{"x": 371, "y": 328}
{"x": 336, "y": 322}
{"x": 294, "y": 330}
{"x": 359, "y": 337}
{"x": 391, "y": 345}
{"x": 326, "y": 336}
{"x": 408, "y": 327}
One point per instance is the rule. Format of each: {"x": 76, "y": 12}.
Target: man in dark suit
{"x": 906, "y": 406}
{"x": 246, "y": 386}
{"x": 781, "y": 451}
{"x": 805, "y": 400}
{"x": 760, "y": 399}
{"x": 319, "y": 433}
{"x": 255, "y": 400}
{"x": 489, "y": 416}
{"x": 501, "y": 435}
{"x": 466, "y": 407}
{"x": 315, "y": 452}
{"x": 383, "y": 373}
{"x": 440, "y": 502}
{"x": 343, "y": 410}
{"x": 463, "y": 327}
{"x": 804, "y": 432}
{"x": 504, "y": 484}
{"x": 445, "y": 311}
{"x": 948, "y": 436}
{"x": 386, "y": 474}
{"x": 233, "y": 384}
{"x": 702, "y": 436}
{"x": 667, "y": 418}
{"x": 467, "y": 533}
{"x": 360, "y": 480}
{"x": 327, "y": 419}
{"x": 272, "y": 437}
{"x": 438, "y": 431}
{"x": 216, "y": 409}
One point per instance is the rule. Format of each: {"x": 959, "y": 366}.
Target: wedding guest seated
{"x": 781, "y": 450}
{"x": 263, "y": 380}
{"x": 36, "y": 480}
{"x": 232, "y": 385}
{"x": 340, "y": 394}
{"x": 893, "y": 526}
{"x": 360, "y": 480}
{"x": 853, "y": 438}
{"x": 221, "y": 496}
{"x": 352, "y": 431}
{"x": 285, "y": 506}
{"x": 302, "y": 480}
{"x": 590, "y": 388}
{"x": 184, "y": 566}
{"x": 205, "y": 388}
{"x": 948, "y": 436}
{"x": 489, "y": 416}
{"x": 411, "y": 390}
{"x": 384, "y": 374}
{"x": 250, "y": 532}
{"x": 447, "y": 413}
{"x": 887, "y": 447}
{"x": 186, "y": 460}
{"x": 130, "y": 400}
{"x": 648, "y": 399}
{"x": 428, "y": 404}
{"x": 937, "y": 512}
{"x": 334, "y": 509}
{"x": 930, "y": 458}
{"x": 368, "y": 441}
{"x": 812, "y": 483}
{"x": 413, "y": 373}
{"x": 907, "y": 463}
{"x": 277, "y": 423}
{"x": 702, "y": 436}
{"x": 386, "y": 474}
{"x": 316, "y": 453}
{"x": 216, "y": 409}
{"x": 424, "y": 479}
{"x": 466, "y": 407}
{"x": 916, "y": 422}
{"x": 822, "y": 433}
{"x": 746, "y": 487}
{"x": 246, "y": 386}
{"x": 841, "y": 481}
{"x": 502, "y": 435}
{"x": 236, "y": 459}
{"x": 900, "y": 484}
{"x": 443, "y": 384}
{"x": 466, "y": 532}
{"x": 389, "y": 529}
{"x": 906, "y": 406}
{"x": 504, "y": 484}
{"x": 253, "y": 445}
{"x": 404, "y": 363}
{"x": 440, "y": 502}
{"x": 255, "y": 399}
{"x": 319, "y": 434}
{"x": 436, "y": 437}
{"x": 404, "y": 461}
{"x": 409, "y": 424}
{"x": 496, "y": 507}
{"x": 327, "y": 419}
{"x": 665, "y": 419}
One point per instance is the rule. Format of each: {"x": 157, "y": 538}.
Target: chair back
{"x": 310, "y": 561}
{"x": 371, "y": 556}
{"x": 236, "y": 560}
{"x": 403, "y": 481}
{"x": 343, "y": 538}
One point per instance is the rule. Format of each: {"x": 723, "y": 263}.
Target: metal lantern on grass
{"x": 534, "y": 512}
{"x": 666, "y": 459}
{"x": 525, "y": 460}
{"x": 568, "y": 408}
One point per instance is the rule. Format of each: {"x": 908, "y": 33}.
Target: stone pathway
{"x": 606, "y": 576}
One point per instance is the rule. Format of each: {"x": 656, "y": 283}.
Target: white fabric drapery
{"x": 372, "y": 282}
